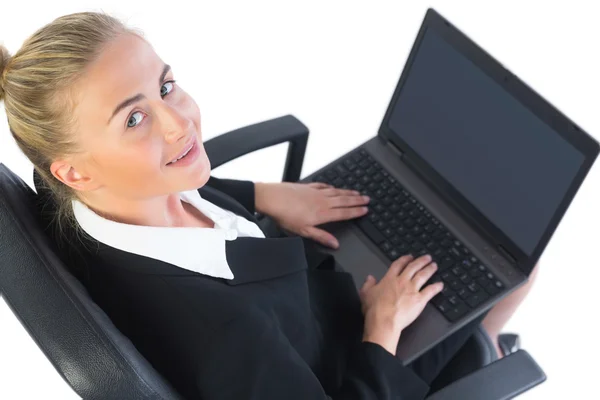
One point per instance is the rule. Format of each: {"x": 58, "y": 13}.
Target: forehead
{"x": 126, "y": 66}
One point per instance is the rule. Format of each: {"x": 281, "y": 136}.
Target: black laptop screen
{"x": 509, "y": 164}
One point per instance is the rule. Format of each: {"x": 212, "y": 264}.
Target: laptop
{"x": 469, "y": 165}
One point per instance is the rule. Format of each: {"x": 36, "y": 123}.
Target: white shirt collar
{"x": 196, "y": 249}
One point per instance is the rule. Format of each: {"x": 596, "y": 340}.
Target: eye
{"x": 133, "y": 121}
{"x": 169, "y": 83}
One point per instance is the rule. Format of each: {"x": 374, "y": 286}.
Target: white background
{"x": 334, "y": 65}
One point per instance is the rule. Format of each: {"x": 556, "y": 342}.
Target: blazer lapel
{"x": 250, "y": 259}
{"x": 255, "y": 259}
{"x": 225, "y": 201}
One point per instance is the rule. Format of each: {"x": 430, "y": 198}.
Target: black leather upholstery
{"x": 95, "y": 359}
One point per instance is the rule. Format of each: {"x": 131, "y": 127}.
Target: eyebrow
{"x": 138, "y": 96}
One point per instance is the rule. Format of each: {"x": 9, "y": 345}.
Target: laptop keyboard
{"x": 398, "y": 224}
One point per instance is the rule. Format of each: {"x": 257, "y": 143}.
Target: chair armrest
{"x": 236, "y": 143}
{"x": 503, "y": 379}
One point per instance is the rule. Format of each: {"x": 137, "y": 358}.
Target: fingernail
{"x": 366, "y": 198}
{"x": 364, "y": 209}
{"x": 333, "y": 244}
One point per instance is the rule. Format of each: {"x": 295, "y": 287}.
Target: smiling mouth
{"x": 185, "y": 155}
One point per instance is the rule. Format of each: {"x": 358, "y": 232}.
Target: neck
{"x": 160, "y": 211}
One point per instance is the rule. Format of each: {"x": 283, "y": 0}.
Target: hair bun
{"x": 4, "y": 59}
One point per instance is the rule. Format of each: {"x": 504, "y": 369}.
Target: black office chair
{"x": 98, "y": 362}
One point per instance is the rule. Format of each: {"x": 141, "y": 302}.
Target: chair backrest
{"x": 78, "y": 338}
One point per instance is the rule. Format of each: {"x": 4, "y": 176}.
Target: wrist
{"x": 382, "y": 331}
{"x": 388, "y": 342}
{"x": 261, "y": 197}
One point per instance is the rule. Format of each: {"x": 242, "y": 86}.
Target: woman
{"x": 178, "y": 262}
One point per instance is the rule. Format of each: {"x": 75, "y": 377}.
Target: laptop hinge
{"x": 507, "y": 254}
{"x": 394, "y": 148}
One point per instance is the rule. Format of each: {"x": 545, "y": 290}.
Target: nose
{"x": 173, "y": 123}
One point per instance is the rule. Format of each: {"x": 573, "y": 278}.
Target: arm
{"x": 249, "y": 358}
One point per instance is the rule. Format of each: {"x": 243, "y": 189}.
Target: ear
{"x": 64, "y": 171}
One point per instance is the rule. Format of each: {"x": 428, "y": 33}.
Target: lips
{"x": 186, "y": 148}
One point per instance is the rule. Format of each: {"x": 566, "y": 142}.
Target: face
{"x": 126, "y": 145}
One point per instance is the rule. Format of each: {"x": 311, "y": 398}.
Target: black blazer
{"x": 280, "y": 330}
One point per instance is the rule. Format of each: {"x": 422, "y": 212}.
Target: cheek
{"x": 141, "y": 160}
{"x": 192, "y": 110}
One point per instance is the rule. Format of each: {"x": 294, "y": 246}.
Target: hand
{"x": 299, "y": 207}
{"x": 397, "y": 300}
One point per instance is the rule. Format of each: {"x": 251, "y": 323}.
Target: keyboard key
{"x": 477, "y": 298}
{"x": 403, "y": 248}
{"x": 388, "y": 232}
{"x": 491, "y": 289}
{"x": 408, "y": 238}
{"x": 455, "y": 252}
{"x": 416, "y": 246}
{"x": 373, "y": 217}
{"x": 393, "y": 254}
{"x": 446, "y": 243}
{"x": 385, "y": 246}
{"x": 350, "y": 164}
{"x": 381, "y": 225}
{"x": 457, "y": 270}
{"x": 395, "y": 239}
{"x": 444, "y": 306}
{"x": 369, "y": 229}
{"x": 475, "y": 273}
{"x": 341, "y": 170}
{"x": 456, "y": 285}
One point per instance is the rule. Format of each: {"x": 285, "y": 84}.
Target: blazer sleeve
{"x": 250, "y": 359}
{"x": 241, "y": 190}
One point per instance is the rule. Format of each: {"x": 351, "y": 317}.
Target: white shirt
{"x": 196, "y": 249}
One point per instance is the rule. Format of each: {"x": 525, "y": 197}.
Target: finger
{"x": 321, "y": 236}
{"x": 370, "y": 281}
{"x": 431, "y": 291}
{"x": 398, "y": 265}
{"x": 347, "y": 201}
{"x": 333, "y": 191}
{"x": 319, "y": 185}
{"x": 423, "y": 275}
{"x": 414, "y": 267}
{"x": 342, "y": 214}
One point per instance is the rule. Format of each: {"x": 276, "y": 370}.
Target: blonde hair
{"x": 36, "y": 84}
